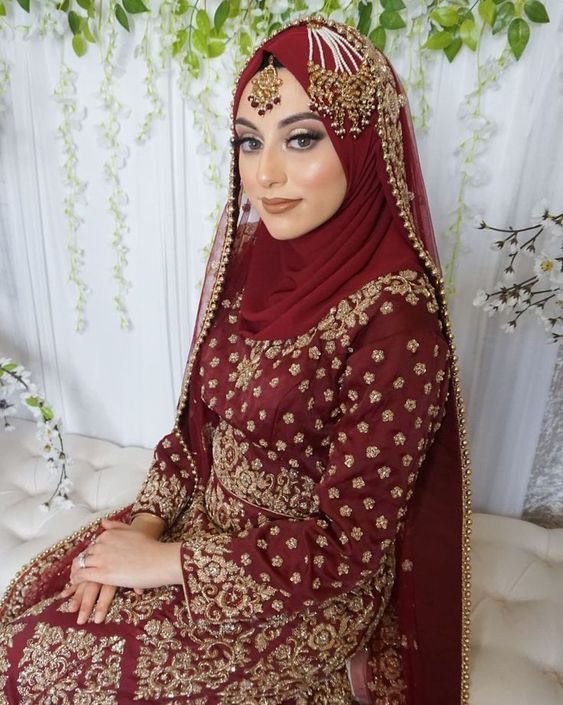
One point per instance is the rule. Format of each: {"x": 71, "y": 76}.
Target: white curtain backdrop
{"x": 123, "y": 385}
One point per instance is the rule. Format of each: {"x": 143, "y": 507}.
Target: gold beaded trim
{"x": 389, "y": 129}
{"x": 265, "y": 88}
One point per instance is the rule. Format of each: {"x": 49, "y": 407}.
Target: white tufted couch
{"x": 517, "y": 635}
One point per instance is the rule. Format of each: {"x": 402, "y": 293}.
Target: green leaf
{"x": 33, "y": 401}
{"x": 84, "y": 4}
{"x": 199, "y": 41}
{"x": 192, "y": 60}
{"x": 122, "y": 17}
{"x": 244, "y": 42}
{"x": 215, "y": 48}
{"x": 444, "y": 16}
{"x": 182, "y": 6}
{"x": 47, "y": 413}
{"x": 235, "y": 8}
{"x": 505, "y": 13}
{"x": 221, "y": 14}
{"x": 24, "y": 4}
{"x": 452, "y": 49}
{"x": 2, "y": 10}
{"x": 488, "y": 11}
{"x": 536, "y": 11}
{"x": 393, "y": 4}
{"x": 88, "y": 34}
{"x": 79, "y": 45}
{"x": 135, "y": 6}
{"x": 181, "y": 37}
{"x": 203, "y": 22}
{"x": 391, "y": 20}
{"x": 469, "y": 34}
{"x": 75, "y": 22}
{"x": 518, "y": 36}
{"x": 379, "y": 37}
{"x": 364, "y": 23}
{"x": 439, "y": 40}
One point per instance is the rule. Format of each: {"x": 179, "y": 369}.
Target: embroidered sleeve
{"x": 169, "y": 483}
{"x": 391, "y": 398}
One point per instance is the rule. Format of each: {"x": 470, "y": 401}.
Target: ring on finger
{"x": 82, "y": 559}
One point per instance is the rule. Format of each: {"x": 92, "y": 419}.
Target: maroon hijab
{"x": 291, "y": 284}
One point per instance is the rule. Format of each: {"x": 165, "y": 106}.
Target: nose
{"x": 270, "y": 167}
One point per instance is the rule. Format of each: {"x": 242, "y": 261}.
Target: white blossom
{"x": 480, "y": 297}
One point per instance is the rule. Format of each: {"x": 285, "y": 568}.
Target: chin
{"x": 279, "y": 232}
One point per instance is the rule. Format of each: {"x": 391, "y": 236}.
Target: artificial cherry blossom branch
{"x": 14, "y": 378}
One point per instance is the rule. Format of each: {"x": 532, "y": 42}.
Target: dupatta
{"x": 432, "y": 592}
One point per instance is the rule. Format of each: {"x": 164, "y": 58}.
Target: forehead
{"x": 292, "y": 97}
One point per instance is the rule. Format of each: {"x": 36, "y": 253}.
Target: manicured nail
{"x": 98, "y": 617}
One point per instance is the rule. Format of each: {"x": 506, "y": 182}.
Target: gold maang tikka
{"x": 265, "y": 88}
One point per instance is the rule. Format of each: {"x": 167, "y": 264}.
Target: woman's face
{"x": 287, "y": 154}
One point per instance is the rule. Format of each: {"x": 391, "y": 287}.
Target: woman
{"x": 303, "y": 533}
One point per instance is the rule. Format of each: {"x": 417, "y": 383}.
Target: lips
{"x": 279, "y": 205}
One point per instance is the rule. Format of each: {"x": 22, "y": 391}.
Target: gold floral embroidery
{"x": 287, "y": 492}
{"x": 162, "y": 494}
{"x": 352, "y": 310}
{"x": 67, "y": 666}
{"x": 7, "y": 635}
{"x": 219, "y": 588}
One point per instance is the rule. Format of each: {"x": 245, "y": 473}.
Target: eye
{"x": 306, "y": 139}
{"x": 241, "y": 141}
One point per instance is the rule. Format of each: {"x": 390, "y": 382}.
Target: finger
{"x": 74, "y": 602}
{"x": 139, "y": 591}
{"x": 89, "y": 597}
{"x": 67, "y": 591}
{"x": 105, "y": 598}
{"x": 110, "y": 524}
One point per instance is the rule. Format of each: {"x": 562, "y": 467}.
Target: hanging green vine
{"x": 193, "y": 36}
{"x": 450, "y": 25}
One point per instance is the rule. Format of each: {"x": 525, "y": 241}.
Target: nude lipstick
{"x": 279, "y": 205}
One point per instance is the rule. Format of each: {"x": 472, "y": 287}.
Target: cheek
{"x": 322, "y": 176}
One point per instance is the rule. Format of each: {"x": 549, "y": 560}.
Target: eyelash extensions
{"x": 308, "y": 134}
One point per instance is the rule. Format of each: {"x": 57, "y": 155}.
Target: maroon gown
{"x": 289, "y": 544}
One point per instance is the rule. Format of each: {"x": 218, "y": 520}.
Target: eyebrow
{"x": 282, "y": 123}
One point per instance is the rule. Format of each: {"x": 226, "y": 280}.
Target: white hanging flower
{"x": 545, "y": 264}
{"x": 509, "y": 327}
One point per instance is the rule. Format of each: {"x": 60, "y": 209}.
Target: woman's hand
{"x": 124, "y": 556}
{"x": 89, "y": 595}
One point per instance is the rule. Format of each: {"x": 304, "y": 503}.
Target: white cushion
{"x": 105, "y": 477}
{"x": 517, "y": 626}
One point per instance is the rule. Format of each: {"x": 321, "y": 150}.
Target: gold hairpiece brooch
{"x": 350, "y": 90}
{"x": 265, "y": 88}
